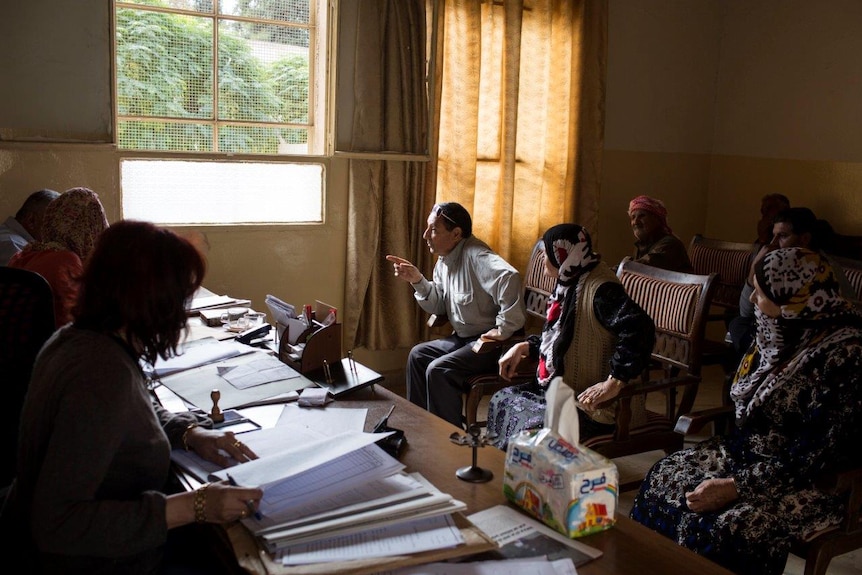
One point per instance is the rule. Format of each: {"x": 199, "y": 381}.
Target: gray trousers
{"x": 437, "y": 373}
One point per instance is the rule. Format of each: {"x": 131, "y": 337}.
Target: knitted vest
{"x": 587, "y": 360}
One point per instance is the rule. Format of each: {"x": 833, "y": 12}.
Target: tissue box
{"x": 570, "y": 488}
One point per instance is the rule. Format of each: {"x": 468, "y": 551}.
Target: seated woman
{"x": 656, "y": 245}
{"x": 592, "y": 329}
{"x": 94, "y": 448}
{"x": 70, "y": 226}
{"x": 741, "y": 500}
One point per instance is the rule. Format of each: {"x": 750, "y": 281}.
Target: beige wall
{"x": 712, "y": 104}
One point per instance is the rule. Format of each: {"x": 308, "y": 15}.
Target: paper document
{"x": 263, "y": 370}
{"x": 263, "y": 442}
{"x": 520, "y": 536}
{"x": 197, "y": 353}
{"x": 211, "y": 301}
{"x": 318, "y": 468}
{"x": 195, "y": 385}
{"x": 401, "y": 539}
{"x": 533, "y": 567}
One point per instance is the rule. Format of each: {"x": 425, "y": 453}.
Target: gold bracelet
{"x": 618, "y": 381}
{"x": 186, "y": 435}
{"x": 200, "y": 503}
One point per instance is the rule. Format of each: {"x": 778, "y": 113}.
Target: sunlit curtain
{"x": 519, "y": 115}
{"x": 387, "y": 201}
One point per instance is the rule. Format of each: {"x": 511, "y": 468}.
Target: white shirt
{"x": 476, "y": 289}
{"x": 13, "y": 238}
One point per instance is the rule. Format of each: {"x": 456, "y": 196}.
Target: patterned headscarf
{"x": 569, "y": 249}
{"x": 73, "y": 222}
{"x": 813, "y": 318}
{"x": 653, "y": 206}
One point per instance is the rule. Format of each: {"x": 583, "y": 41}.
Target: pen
{"x": 252, "y": 511}
{"x": 350, "y": 361}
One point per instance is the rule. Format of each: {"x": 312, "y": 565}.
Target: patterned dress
{"x": 798, "y": 399}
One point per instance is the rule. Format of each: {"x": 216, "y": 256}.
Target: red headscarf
{"x": 653, "y": 206}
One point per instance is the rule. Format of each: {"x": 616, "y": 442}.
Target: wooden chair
{"x": 26, "y": 322}
{"x": 537, "y": 289}
{"x": 820, "y": 547}
{"x": 731, "y": 261}
{"x": 679, "y": 304}
{"x": 853, "y": 272}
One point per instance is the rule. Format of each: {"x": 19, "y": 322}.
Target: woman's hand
{"x": 599, "y": 393}
{"x": 213, "y": 503}
{"x": 712, "y": 495}
{"x": 509, "y": 361}
{"x": 212, "y": 444}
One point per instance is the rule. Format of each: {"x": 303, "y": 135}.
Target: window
{"x": 220, "y": 110}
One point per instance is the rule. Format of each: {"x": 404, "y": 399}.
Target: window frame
{"x": 320, "y": 114}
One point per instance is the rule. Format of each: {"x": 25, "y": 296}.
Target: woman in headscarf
{"x": 593, "y": 333}
{"x": 655, "y": 244}
{"x": 741, "y": 500}
{"x": 70, "y": 227}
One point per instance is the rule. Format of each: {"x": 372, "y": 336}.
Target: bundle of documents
{"x": 332, "y": 487}
{"x": 205, "y": 299}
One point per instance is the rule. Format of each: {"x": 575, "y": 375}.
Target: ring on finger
{"x": 237, "y": 444}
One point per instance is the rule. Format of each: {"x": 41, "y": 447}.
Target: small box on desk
{"x": 570, "y": 488}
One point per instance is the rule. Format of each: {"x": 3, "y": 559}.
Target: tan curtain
{"x": 519, "y": 116}
{"x": 387, "y": 207}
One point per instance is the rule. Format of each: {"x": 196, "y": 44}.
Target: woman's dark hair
{"x": 454, "y": 215}
{"x": 137, "y": 282}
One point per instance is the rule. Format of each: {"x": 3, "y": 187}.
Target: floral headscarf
{"x": 813, "y": 318}
{"x": 568, "y": 248}
{"x": 653, "y": 206}
{"x": 73, "y": 222}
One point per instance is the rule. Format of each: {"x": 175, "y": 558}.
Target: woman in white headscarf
{"x": 593, "y": 333}
{"x": 742, "y": 499}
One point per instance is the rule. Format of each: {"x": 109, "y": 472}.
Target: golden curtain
{"x": 516, "y": 130}
{"x": 387, "y": 206}
{"x": 519, "y": 116}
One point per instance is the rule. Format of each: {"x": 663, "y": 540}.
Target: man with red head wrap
{"x": 656, "y": 245}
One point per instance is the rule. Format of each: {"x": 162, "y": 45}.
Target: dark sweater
{"x": 93, "y": 457}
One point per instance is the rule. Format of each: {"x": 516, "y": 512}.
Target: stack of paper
{"x": 334, "y": 486}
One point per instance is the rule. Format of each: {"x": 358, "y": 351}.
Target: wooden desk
{"x": 629, "y": 547}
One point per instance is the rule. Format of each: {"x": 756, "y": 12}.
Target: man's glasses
{"x": 439, "y": 212}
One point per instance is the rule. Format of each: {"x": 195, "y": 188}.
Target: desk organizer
{"x": 317, "y": 343}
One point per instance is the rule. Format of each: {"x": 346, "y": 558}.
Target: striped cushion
{"x": 854, "y": 276}
{"x": 671, "y": 306}
{"x": 731, "y": 267}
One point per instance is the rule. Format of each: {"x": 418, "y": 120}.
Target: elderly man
{"x": 478, "y": 291}
{"x": 16, "y": 232}
{"x": 656, "y": 245}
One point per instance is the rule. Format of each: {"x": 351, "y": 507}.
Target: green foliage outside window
{"x": 164, "y": 72}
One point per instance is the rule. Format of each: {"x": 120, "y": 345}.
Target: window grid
{"x": 256, "y": 99}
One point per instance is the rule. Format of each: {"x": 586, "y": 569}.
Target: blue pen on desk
{"x": 249, "y": 504}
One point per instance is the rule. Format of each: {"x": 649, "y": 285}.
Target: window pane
{"x": 283, "y": 10}
{"x": 164, "y": 65}
{"x": 204, "y": 6}
{"x": 165, "y": 136}
{"x": 261, "y": 78}
{"x": 196, "y": 192}
{"x": 262, "y": 140}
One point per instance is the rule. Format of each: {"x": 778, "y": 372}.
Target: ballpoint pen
{"x": 250, "y": 504}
